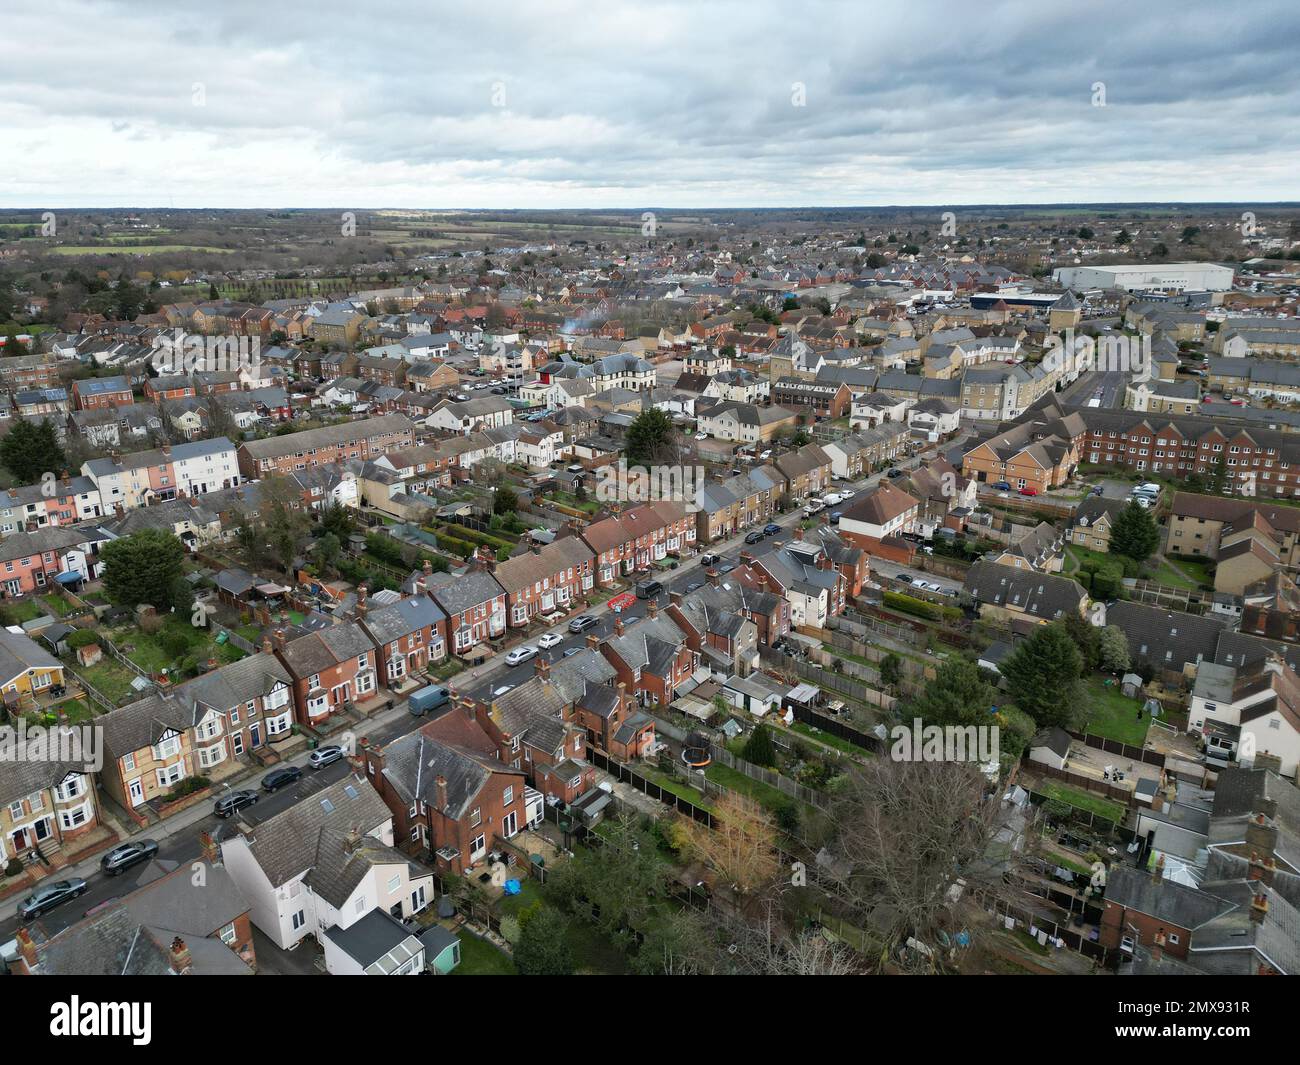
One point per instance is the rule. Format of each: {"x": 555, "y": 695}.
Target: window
{"x": 508, "y": 796}
{"x": 299, "y": 919}
{"x": 227, "y": 934}
{"x": 394, "y": 883}
{"x": 361, "y": 905}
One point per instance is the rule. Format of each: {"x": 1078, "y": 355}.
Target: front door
{"x": 136, "y": 792}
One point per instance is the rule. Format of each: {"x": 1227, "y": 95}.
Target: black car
{"x": 755, "y": 537}
{"x": 127, "y": 855}
{"x": 583, "y": 622}
{"x": 47, "y": 896}
{"x": 648, "y": 589}
{"x": 894, "y": 472}
{"x": 694, "y": 586}
{"x": 236, "y": 800}
{"x": 278, "y": 778}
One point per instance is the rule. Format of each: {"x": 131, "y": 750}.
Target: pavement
{"x": 178, "y": 835}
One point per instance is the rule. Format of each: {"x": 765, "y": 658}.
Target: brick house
{"x": 475, "y": 605}
{"x": 614, "y": 722}
{"x": 365, "y": 439}
{"x": 450, "y": 801}
{"x": 633, "y": 541}
{"x": 44, "y": 804}
{"x": 652, "y": 657}
{"x": 330, "y": 668}
{"x": 100, "y": 392}
{"x": 546, "y": 579}
{"x": 411, "y": 635}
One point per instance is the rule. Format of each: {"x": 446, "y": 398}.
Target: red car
{"x": 1029, "y": 491}
{"x": 622, "y": 602}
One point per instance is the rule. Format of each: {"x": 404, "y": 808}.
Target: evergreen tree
{"x": 759, "y": 749}
{"x": 1134, "y": 534}
{"x": 960, "y": 694}
{"x": 30, "y": 450}
{"x": 1043, "y": 676}
{"x": 542, "y": 949}
{"x": 651, "y": 439}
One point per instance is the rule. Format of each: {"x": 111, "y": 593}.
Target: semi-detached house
{"x": 546, "y": 578}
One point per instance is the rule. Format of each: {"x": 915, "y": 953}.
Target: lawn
{"x": 480, "y": 958}
{"x": 764, "y": 794}
{"x": 108, "y": 677}
{"x": 23, "y": 610}
{"x": 827, "y": 739}
{"x": 1113, "y": 715}
{"x": 1196, "y": 572}
{"x": 148, "y": 651}
{"x": 1083, "y": 800}
{"x": 78, "y": 712}
{"x": 674, "y": 786}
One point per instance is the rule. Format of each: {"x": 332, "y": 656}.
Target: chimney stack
{"x": 440, "y": 793}
{"x": 267, "y": 646}
{"x": 361, "y": 600}
{"x": 353, "y": 840}
{"x": 543, "y": 668}
{"x": 428, "y": 568}
{"x": 652, "y": 608}
{"x": 26, "y": 947}
{"x": 713, "y": 577}
{"x": 1259, "y": 908}
{"x": 1158, "y": 870}
{"x": 618, "y": 626}
{"x": 675, "y": 598}
{"x": 211, "y": 852}
{"x": 1261, "y": 834}
{"x": 593, "y": 641}
{"x": 279, "y": 639}
{"x": 180, "y": 957}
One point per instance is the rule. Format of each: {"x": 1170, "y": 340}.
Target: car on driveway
{"x": 551, "y": 639}
{"x": 323, "y": 756}
{"x": 125, "y": 855}
{"x": 1028, "y": 491}
{"x": 754, "y": 537}
{"x": 1001, "y": 486}
{"x": 47, "y": 896}
{"x": 583, "y": 622}
{"x": 235, "y": 800}
{"x": 520, "y": 655}
{"x": 281, "y": 777}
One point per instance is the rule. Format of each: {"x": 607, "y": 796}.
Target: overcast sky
{"x": 601, "y": 104}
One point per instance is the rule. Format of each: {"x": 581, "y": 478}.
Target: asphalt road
{"x": 1106, "y": 386}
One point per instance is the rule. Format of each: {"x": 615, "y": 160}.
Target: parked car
{"x": 1001, "y": 486}
{"x": 701, "y": 436}
{"x": 573, "y": 651}
{"x": 726, "y": 567}
{"x": 835, "y": 516}
{"x": 278, "y": 778}
{"x": 47, "y": 896}
{"x": 694, "y": 586}
{"x": 583, "y": 622}
{"x": 235, "y": 800}
{"x": 520, "y": 654}
{"x": 754, "y": 537}
{"x": 893, "y": 472}
{"x": 550, "y": 639}
{"x": 1149, "y": 488}
{"x": 771, "y": 529}
{"x": 1029, "y": 490}
{"x": 648, "y": 589}
{"x": 323, "y": 756}
{"x": 126, "y": 855}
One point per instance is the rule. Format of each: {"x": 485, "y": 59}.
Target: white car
{"x": 551, "y": 639}
{"x": 701, "y": 436}
{"x": 815, "y": 506}
{"x": 520, "y": 654}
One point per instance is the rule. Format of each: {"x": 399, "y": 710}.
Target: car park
{"x": 519, "y": 655}
{"x": 281, "y": 776}
{"x": 48, "y": 896}
{"x": 550, "y": 639}
{"x": 234, "y": 801}
{"x": 125, "y": 855}
{"x": 323, "y": 756}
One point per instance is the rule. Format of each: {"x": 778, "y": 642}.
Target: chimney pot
{"x": 440, "y": 793}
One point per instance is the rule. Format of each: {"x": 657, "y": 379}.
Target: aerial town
{"x": 898, "y": 590}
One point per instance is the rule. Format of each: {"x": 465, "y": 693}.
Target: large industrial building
{"x": 1164, "y": 277}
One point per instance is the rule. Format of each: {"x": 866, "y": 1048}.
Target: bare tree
{"x": 758, "y": 944}
{"x": 741, "y": 846}
{"x": 906, "y": 832}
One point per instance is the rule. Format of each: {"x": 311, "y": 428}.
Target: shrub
{"x": 82, "y": 638}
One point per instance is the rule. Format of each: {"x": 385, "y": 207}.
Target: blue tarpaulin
{"x": 512, "y": 887}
